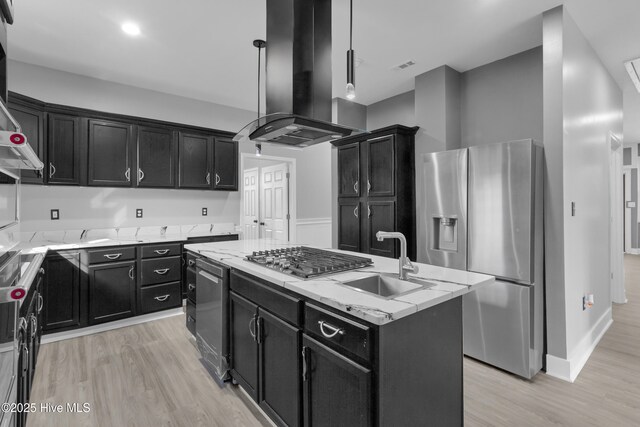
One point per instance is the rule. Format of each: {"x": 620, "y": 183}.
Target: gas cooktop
{"x": 307, "y": 262}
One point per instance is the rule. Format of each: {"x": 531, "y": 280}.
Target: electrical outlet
{"x": 138, "y": 213}
{"x": 55, "y": 214}
{"x": 204, "y": 211}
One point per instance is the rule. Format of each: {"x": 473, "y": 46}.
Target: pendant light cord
{"x": 259, "y": 56}
{"x": 351, "y": 24}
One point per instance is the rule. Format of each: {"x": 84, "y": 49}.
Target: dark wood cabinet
{"x": 349, "y": 170}
{"x": 194, "y": 161}
{"x": 380, "y": 216}
{"x": 110, "y": 153}
{"x": 112, "y": 290}
{"x": 376, "y": 174}
{"x": 349, "y": 224}
{"x": 336, "y": 390}
{"x": 280, "y": 370}
{"x": 156, "y": 153}
{"x": 63, "y": 292}
{"x": 244, "y": 347}
{"x": 225, "y": 164}
{"x": 63, "y": 150}
{"x": 32, "y": 122}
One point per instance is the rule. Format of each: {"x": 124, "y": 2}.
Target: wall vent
{"x": 633, "y": 68}
{"x": 404, "y": 65}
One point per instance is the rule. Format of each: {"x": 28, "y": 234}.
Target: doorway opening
{"x": 268, "y": 197}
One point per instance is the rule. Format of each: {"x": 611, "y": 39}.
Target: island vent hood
{"x": 15, "y": 151}
{"x": 298, "y": 77}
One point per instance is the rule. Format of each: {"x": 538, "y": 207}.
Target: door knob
{"x": 255, "y": 221}
{"x": 262, "y": 223}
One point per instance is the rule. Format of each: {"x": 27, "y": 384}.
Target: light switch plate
{"x": 204, "y": 211}
{"x": 55, "y": 214}
{"x": 138, "y": 213}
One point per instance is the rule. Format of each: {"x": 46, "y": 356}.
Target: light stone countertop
{"x": 330, "y": 290}
{"x": 42, "y": 241}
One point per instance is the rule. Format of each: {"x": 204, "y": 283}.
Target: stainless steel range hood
{"x": 298, "y": 77}
{"x": 15, "y": 151}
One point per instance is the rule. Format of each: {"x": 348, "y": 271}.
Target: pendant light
{"x": 259, "y": 44}
{"x": 351, "y": 56}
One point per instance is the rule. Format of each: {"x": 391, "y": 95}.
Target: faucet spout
{"x": 405, "y": 265}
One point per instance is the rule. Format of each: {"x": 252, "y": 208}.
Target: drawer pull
{"x": 162, "y": 298}
{"x": 191, "y": 263}
{"x": 112, "y": 256}
{"x": 333, "y": 330}
{"x": 190, "y": 319}
{"x": 162, "y": 271}
{"x": 191, "y": 286}
{"x": 161, "y": 251}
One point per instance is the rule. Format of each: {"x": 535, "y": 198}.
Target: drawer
{"x": 155, "y": 251}
{"x": 116, "y": 253}
{"x": 160, "y": 270}
{"x": 191, "y": 317}
{"x": 338, "y": 332}
{"x": 191, "y": 284}
{"x": 160, "y": 297}
{"x": 284, "y": 306}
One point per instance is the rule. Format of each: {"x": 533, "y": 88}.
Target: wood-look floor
{"x": 149, "y": 375}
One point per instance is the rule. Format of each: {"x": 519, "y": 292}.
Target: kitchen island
{"x": 320, "y": 352}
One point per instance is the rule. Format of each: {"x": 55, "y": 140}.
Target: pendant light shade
{"x": 351, "y": 59}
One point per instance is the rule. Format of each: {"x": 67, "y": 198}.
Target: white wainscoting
{"x": 314, "y": 231}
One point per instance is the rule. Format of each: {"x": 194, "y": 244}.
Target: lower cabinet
{"x": 65, "y": 299}
{"x": 112, "y": 288}
{"x": 337, "y": 390}
{"x": 244, "y": 347}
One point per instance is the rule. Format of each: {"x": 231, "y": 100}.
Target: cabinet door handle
{"x": 161, "y": 251}
{"x": 131, "y": 273}
{"x": 34, "y": 325}
{"x": 368, "y": 185}
{"x": 161, "y": 271}
{"x": 191, "y": 263}
{"x": 217, "y": 179}
{"x": 333, "y": 331}
{"x": 355, "y": 186}
{"x": 368, "y": 211}
{"x": 127, "y": 174}
{"x": 162, "y": 298}
{"x": 52, "y": 170}
{"x": 112, "y": 256}
{"x": 208, "y": 178}
{"x": 355, "y": 212}
{"x": 191, "y": 286}
{"x": 259, "y": 330}
{"x": 40, "y": 303}
{"x": 252, "y": 330}
{"x": 140, "y": 175}
{"x": 304, "y": 363}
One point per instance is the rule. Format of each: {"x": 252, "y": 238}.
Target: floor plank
{"x": 150, "y": 375}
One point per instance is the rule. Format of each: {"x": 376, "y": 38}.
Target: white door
{"x": 274, "y": 196}
{"x": 627, "y": 212}
{"x": 251, "y": 228}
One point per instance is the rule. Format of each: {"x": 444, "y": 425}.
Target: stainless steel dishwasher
{"x": 212, "y": 315}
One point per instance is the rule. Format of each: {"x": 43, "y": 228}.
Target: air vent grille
{"x": 404, "y": 65}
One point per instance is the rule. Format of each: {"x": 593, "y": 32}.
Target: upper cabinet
{"x": 194, "y": 160}
{"x": 376, "y": 190}
{"x": 63, "y": 150}
{"x": 84, "y": 147}
{"x": 33, "y": 126}
{"x": 156, "y": 152}
{"x": 110, "y": 153}
{"x": 225, "y": 169}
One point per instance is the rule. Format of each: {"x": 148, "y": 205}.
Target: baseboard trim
{"x": 60, "y": 336}
{"x": 569, "y": 369}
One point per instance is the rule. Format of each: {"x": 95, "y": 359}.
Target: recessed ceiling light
{"x": 131, "y": 28}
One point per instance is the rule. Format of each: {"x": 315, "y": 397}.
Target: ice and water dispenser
{"x": 444, "y": 233}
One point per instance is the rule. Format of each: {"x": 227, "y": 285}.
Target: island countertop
{"x": 331, "y": 290}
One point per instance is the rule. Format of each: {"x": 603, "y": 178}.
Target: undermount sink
{"x": 387, "y": 285}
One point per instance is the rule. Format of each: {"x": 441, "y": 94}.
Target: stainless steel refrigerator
{"x": 483, "y": 212}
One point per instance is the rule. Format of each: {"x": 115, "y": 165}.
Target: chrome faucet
{"x": 405, "y": 265}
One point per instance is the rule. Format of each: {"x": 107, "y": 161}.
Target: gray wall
{"x": 399, "y": 109}
{"x": 577, "y": 123}
{"x": 502, "y": 101}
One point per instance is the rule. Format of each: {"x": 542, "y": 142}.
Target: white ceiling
{"x": 202, "y": 48}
